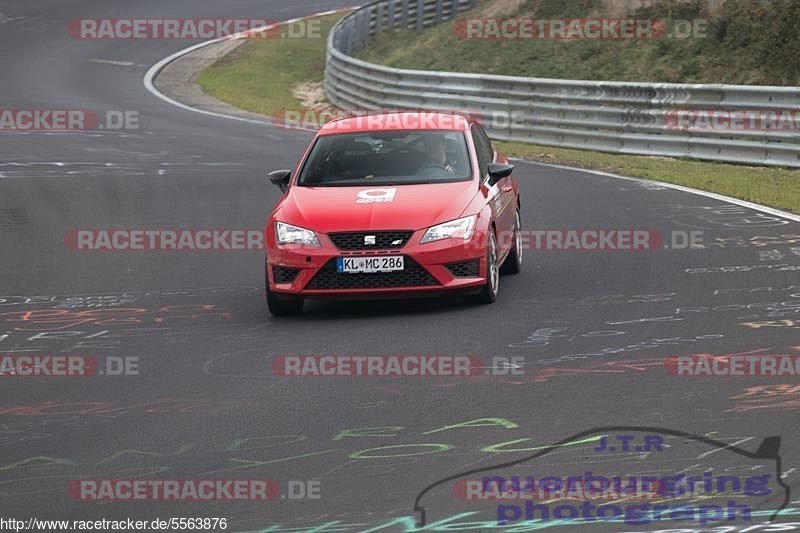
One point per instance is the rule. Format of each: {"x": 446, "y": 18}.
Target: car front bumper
{"x": 449, "y": 265}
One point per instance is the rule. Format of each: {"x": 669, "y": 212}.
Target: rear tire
{"x": 488, "y": 292}
{"x": 513, "y": 263}
{"x": 284, "y": 305}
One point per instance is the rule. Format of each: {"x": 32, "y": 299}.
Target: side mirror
{"x": 280, "y": 178}
{"x": 498, "y": 171}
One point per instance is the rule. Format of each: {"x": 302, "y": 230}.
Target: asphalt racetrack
{"x": 593, "y": 327}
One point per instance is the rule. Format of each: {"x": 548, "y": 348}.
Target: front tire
{"x": 513, "y": 263}
{"x": 284, "y": 305}
{"x": 488, "y": 292}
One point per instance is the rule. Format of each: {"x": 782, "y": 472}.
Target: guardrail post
{"x": 379, "y": 17}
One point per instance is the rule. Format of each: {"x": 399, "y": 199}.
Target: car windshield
{"x": 387, "y": 158}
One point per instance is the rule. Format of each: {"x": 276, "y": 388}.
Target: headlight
{"x": 288, "y": 234}
{"x": 462, "y": 228}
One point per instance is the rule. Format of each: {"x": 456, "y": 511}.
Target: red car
{"x": 381, "y": 205}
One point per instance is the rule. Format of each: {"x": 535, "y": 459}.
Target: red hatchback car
{"x": 381, "y": 205}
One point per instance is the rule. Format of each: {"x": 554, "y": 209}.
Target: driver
{"x": 436, "y": 150}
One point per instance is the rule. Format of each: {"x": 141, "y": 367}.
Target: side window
{"x": 483, "y": 149}
{"x": 487, "y": 141}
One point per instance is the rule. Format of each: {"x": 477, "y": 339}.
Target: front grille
{"x": 383, "y": 240}
{"x": 284, "y": 274}
{"x": 413, "y": 275}
{"x": 465, "y": 269}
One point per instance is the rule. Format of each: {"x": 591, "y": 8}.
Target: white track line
{"x": 113, "y": 62}
{"x": 715, "y": 196}
{"x": 150, "y": 76}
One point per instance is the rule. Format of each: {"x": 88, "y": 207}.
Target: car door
{"x": 501, "y": 194}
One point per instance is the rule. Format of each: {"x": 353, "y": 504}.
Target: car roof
{"x": 400, "y": 120}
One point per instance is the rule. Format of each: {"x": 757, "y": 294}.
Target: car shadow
{"x": 322, "y": 309}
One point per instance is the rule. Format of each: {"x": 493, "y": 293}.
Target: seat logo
{"x": 369, "y": 240}
{"x": 370, "y": 196}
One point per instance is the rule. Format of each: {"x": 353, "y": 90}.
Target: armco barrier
{"x": 621, "y": 117}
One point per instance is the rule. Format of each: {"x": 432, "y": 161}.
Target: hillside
{"x": 733, "y": 46}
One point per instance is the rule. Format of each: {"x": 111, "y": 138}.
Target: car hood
{"x": 412, "y": 207}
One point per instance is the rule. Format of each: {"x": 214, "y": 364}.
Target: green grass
{"x": 776, "y": 187}
{"x": 744, "y": 42}
{"x": 260, "y": 75}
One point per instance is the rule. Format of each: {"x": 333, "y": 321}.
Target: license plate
{"x": 361, "y": 265}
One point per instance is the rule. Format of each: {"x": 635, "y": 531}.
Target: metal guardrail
{"x": 620, "y": 117}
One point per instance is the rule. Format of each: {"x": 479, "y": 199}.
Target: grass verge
{"x": 261, "y": 75}
{"x": 739, "y": 42}
{"x": 775, "y": 187}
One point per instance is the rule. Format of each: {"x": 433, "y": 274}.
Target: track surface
{"x": 206, "y": 403}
